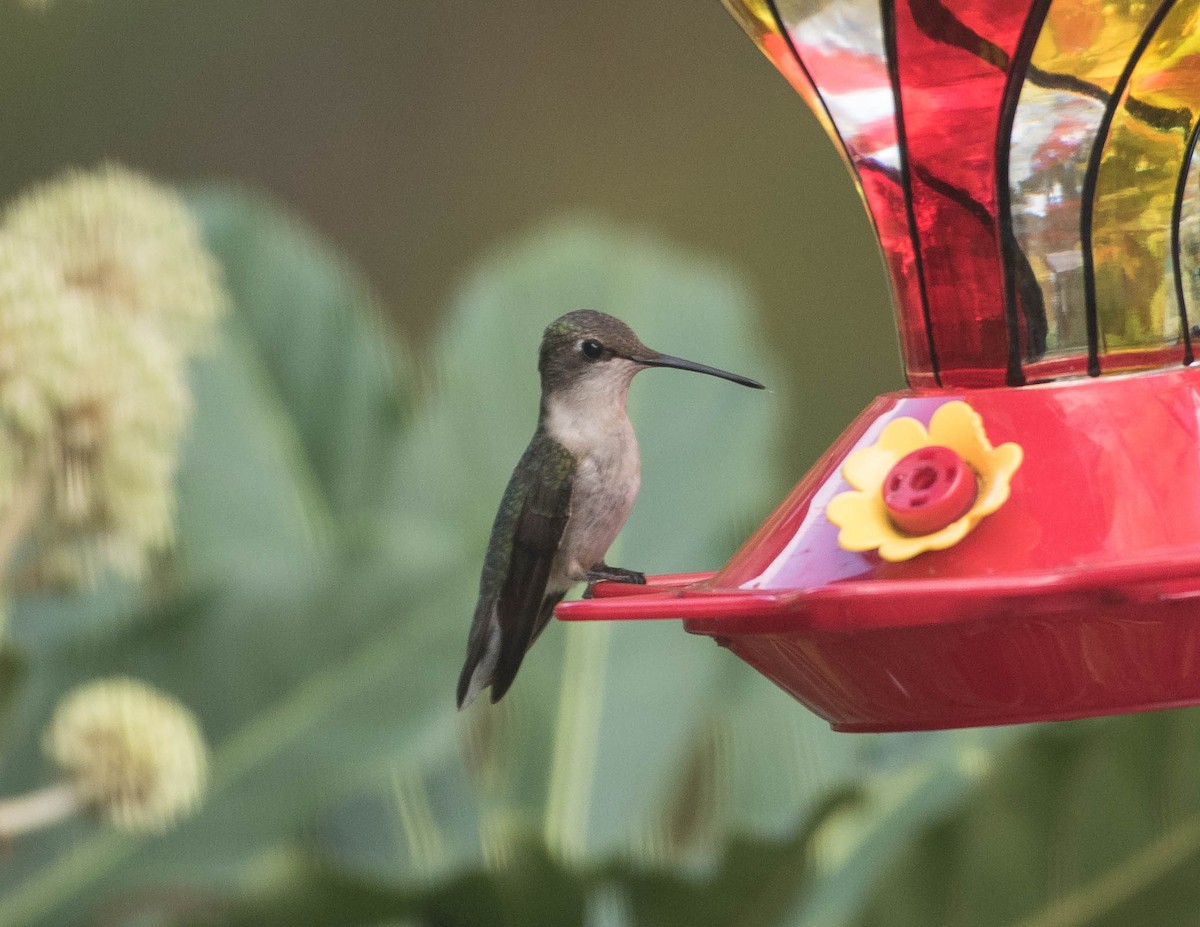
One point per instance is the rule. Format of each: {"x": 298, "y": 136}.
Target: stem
{"x": 264, "y": 736}
{"x": 1089, "y": 902}
{"x": 576, "y": 737}
{"x": 38, "y": 809}
{"x": 23, "y": 510}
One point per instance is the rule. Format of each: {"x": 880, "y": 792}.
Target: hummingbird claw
{"x": 609, "y": 574}
{"x": 612, "y": 575}
{"x": 605, "y": 573}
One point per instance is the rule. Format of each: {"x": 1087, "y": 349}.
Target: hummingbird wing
{"x": 514, "y": 603}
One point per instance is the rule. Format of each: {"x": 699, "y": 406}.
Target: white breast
{"x": 608, "y": 472}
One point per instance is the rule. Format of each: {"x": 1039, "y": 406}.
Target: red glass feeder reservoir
{"x": 1016, "y": 537}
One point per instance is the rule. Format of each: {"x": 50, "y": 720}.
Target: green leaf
{"x": 898, "y": 800}
{"x": 303, "y": 690}
{"x": 316, "y": 343}
{"x": 12, "y": 673}
{"x": 316, "y": 617}
{"x": 591, "y": 736}
{"x": 297, "y": 414}
{"x": 537, "y": 890}
{"x": 308, "y": 652}
{"x": 1088, "y": 824}
{"x": 312, "y": 665}
{"x": 632, "y": 740}
{"x": 753, "y": 887}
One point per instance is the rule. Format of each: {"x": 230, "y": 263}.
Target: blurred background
{"x": 417, "y": 135}
{"x": 400, "y": 196}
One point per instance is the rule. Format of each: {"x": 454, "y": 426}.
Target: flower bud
{"x": 133, "y": 753}
{"x": 127, "y": 246}
{"x": 105, "y": 289}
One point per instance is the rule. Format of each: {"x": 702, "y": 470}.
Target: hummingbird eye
{"x": 591, "y": 349}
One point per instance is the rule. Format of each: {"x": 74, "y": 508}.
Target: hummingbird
{"x": 568, "y": 496}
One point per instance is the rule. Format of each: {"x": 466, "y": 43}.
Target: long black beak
{"x": 666, "y": 360}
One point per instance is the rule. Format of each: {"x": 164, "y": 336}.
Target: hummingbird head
{"x": 598, "y": 355}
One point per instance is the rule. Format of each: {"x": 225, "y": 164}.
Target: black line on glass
{"x": 954, "y": 193}
{"x": 1176, "y": 239}
{"x": 884, "y": 170}
{"x": 1068, "y": 83}
{"x": 1090, "y": 177}
{"x": 1165, "y": 118}
{"x": 887, "y": 13}
{"x": 1159, "y": 117}
{"x": 1027, "y": 286}
{"x": 1013, "y": 82}
{"x": 940, "y": 23}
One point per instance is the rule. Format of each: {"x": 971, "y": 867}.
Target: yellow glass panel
{"x": 1189, "y": 239}
{"x": 1136, "y": 188}
{"x": 1076, "y": 64}
{"x": 754, "y": 16}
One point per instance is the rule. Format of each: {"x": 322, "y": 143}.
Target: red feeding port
{"x": 928, "y": 489}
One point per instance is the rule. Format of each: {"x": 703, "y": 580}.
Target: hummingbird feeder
{"x": 1016, "y": 536}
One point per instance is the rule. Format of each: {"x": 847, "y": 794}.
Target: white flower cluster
{"x": 132, "y": 753}
{"x": 105, "y": 289}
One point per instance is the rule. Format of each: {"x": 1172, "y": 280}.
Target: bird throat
{"x": 585, "y": 419}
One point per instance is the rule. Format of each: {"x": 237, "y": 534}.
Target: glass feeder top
{"x": 1030, "y": 169}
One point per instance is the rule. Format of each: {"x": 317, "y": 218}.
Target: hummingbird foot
{"x": 607, "y": 574}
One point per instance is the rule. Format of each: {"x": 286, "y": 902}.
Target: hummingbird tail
{"x": 513, "y": 649}
{"x": 493, "y": 660}
{"x": 483, "y": 650}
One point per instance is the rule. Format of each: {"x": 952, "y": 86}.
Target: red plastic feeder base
{"x": 1079, "y": 597}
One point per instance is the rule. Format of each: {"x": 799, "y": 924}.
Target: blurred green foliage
{"x": 419, "y": 136}
{"x": 1092, "y": 823}
{"x": 334, "y": 500}
{"x": 336, "y": 494}
{"x": 333, "y": 508}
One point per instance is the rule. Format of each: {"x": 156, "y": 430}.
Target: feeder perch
{"x": 1030, "y": 171}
